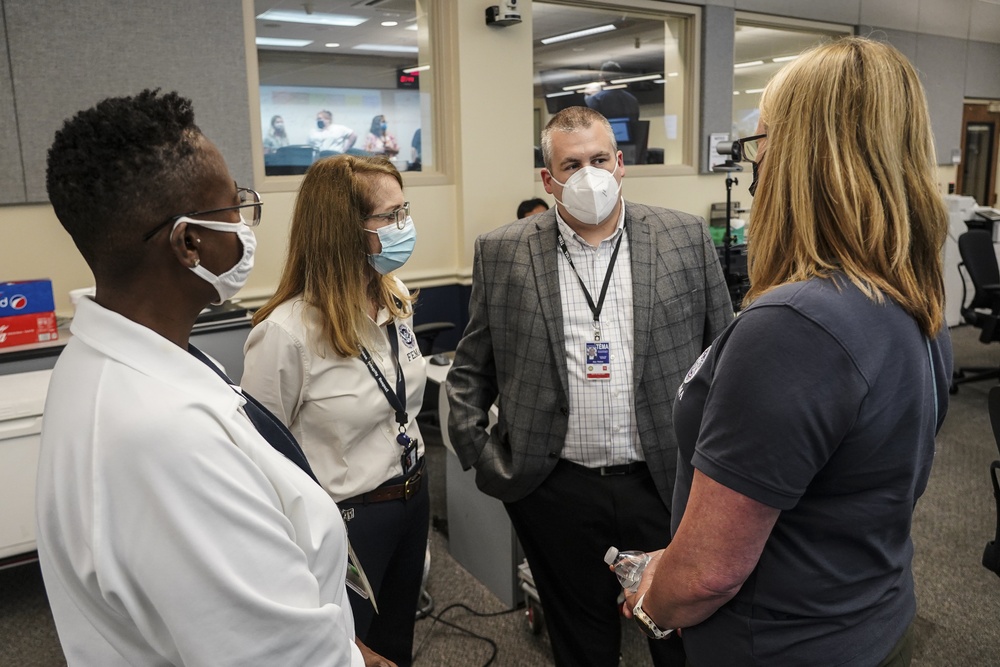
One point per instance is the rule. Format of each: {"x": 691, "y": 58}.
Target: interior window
{"x": 760, "y": 50}
{"x": 633, "y": 67}
{"x": 344, "y": 76}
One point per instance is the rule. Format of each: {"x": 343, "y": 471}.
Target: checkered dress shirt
{"x": 602, "y": 427}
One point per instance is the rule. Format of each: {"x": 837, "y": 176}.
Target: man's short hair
{"x": 610, "y": 69}
{"x": 116, "y": 170}
{"x": 573, "y": 119}
{"x": 529, "y": 205}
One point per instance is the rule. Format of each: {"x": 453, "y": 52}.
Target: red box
{"x": 27, "y": 329}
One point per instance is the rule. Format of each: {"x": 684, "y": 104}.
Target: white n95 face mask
{"x": 233, "y": 280}
{"x": 590, "y": 194}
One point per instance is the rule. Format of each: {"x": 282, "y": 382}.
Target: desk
{"x": 480, "y": 536}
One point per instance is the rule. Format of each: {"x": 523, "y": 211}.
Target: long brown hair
{"x": 327, "y": 260}
{"x": 847, "y": 179}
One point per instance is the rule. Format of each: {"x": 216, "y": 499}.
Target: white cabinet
{"x": 22, "y": 397}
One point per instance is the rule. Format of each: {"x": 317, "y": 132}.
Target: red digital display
{"x": 407, "y": 80}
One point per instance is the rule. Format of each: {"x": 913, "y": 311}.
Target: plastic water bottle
{"x": 628, "y": 565}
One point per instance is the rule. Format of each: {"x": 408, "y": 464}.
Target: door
{"x": 977, "y": 172}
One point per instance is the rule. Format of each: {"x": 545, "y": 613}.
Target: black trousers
{"x": 565, "y": 526}
{"x": 390, "y": 540}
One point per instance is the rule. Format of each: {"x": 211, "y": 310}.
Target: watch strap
{"x": 647, "y": 624}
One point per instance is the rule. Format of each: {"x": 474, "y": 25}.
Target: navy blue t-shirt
{"x": 824, "y": 404}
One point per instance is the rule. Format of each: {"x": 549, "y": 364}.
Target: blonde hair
{"x": 327, "y": 260}
{"x": 573, "y": 119}
{"x": 847, "y": 179}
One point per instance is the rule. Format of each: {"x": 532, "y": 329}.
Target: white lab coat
{"x": 169, "y": 531}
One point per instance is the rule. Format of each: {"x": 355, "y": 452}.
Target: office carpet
{"x": 958, "y": 621}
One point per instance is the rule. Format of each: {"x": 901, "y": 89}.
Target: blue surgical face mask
{"x": 383, "y": 126}
{"x": 397, "y": 246}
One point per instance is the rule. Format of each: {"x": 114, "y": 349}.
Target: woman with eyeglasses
{"x": 178, "y": 522}
{"x": 806, "y": 431}
{"x": 334, "y": 356}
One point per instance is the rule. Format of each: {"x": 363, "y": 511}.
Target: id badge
{"x": 408, "y": 459}
{"x": 598, "y": 360}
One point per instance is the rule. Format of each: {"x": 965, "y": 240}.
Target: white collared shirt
{"x": 332, "y": 404}
{"x": 602, "y": 427}
{"x": 169, "y": 531}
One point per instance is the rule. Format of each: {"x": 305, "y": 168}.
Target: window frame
{"x": 656, "y": 10}
{"x": 442, "y": 55}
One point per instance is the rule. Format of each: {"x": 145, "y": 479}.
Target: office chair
{"x": 991, "y": 555}
{"x": 427, "y": 333}
{"x": 980, "y": 263}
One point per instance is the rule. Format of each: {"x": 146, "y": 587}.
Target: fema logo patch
{"x": 18, "y": 302}
{"x": 407, "y": 336}
{"x": 692, "y": 372}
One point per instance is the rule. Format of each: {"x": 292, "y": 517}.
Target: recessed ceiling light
{"x": 389, "y": 48}
{"x": 579, "y": 33}
{"x": 645, "y": 77}
{"x": 622, "y": 85}
{"x": 278, "y": 41}
{"x": 754, "y": 91}
{"x": 560, "y": 94}
{"x": 412, "y": 26}
{"x": 783, "y": 59}
{"x": 659, "y": 80}
{"x": 580, "y": 86}
{"x": 314, "y": 18}
{"x": 751, "y": 63}
{"x": 389, "y": 24}
{"x": 673, "y": 74}
{"x": 421, "y": 68}
{"x": 331, "y": 45}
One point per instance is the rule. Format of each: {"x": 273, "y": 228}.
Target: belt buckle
{"x": 408, "y": 491}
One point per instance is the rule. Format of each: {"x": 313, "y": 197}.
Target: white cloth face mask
{"x": 590, "y": 194}
{"x": 230, "y": 282}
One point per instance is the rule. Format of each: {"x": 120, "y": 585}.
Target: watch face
{"x": 646, "y": 624}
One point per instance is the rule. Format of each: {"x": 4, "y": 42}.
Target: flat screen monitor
{"x": 622, "y": 130}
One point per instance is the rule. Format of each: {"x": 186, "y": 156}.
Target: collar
{"x": 142, "y": 349}
{"x": 567, "y": 232}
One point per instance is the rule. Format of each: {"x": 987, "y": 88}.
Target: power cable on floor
{"x": 437, "y": 619}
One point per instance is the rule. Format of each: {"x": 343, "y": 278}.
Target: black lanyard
{"x": 272, "y": 430}
{"x": 397, "y": 401}
{"x": 595, "y": 309}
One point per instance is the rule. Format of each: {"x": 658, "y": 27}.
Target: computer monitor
{"x": 622, "y": 129}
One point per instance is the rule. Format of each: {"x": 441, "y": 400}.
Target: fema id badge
{"x": 598, "y": 360}
{"x": 409, "y": 456}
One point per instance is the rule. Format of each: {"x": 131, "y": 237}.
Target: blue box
{"x": 24, "y": 297}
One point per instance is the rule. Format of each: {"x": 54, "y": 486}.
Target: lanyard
{"x": 595, "y": 309}
{"x": 397, "y": 401}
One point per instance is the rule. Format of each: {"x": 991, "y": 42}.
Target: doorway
{"x": 977, "y": 172}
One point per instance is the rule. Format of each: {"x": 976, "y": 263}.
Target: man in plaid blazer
{"x": 582, "y": 323}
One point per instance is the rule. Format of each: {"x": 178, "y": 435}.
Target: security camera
{"x": 503, "y": 14}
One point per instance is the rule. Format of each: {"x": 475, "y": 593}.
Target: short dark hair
{"x": 118, "y": 168}
{"x": 529, "y": 205}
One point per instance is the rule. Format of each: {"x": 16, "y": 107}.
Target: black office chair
{"x": 991, "y": 555}
{"x": 427, "y": 334}
{"x": 983, "y": 311}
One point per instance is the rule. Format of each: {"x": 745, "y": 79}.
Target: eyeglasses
{"x": 397, "y": 215}
{"x": 747, "y": 149}
{"x": 248, "y": 198}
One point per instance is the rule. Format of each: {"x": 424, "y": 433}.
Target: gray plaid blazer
{"x": 514, "y": 348}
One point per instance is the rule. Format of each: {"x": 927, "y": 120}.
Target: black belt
{"x": 391, "y": 490}
{"x": 606, "y": 471}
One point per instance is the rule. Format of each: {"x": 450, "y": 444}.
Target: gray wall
{"x": 60, "y": 57}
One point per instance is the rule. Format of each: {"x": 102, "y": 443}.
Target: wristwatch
{"x": 646, "y": 624}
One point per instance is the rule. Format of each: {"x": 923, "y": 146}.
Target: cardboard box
{"x": 27, "y": 329}
{"x": 23, "y": 297}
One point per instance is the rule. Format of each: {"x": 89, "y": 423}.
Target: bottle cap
{"x": 611, "y": 555}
